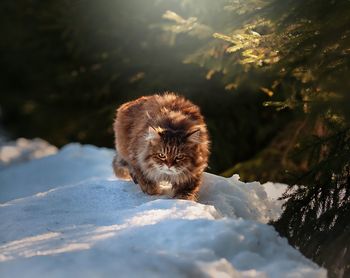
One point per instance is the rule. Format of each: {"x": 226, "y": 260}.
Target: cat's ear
{"x": 152, "y": 134}
{"x": 194, "y": 136}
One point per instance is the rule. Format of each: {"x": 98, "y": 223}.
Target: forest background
{"x": 271, "y": 78}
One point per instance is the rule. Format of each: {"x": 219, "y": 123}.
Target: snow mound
{"x": 66, "y": 215}
{"x": 72, "y": 164}
{"x": 23, "y": 150}
{"x": 233, "y": 198}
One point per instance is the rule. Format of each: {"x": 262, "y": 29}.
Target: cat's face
{"x": 171, "y": 153}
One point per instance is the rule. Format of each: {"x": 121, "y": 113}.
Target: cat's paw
{"x": 166, "y": 188}
{"x": 150, "y": 189}
{"x": 190, "y": 197}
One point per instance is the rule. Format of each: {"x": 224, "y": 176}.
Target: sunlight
{"x": 20, "y": 248}
{"x": 74, "y": 239}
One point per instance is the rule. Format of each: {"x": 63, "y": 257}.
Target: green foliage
{"x": 300, "y": 52}
{"x": 316, "y": 215}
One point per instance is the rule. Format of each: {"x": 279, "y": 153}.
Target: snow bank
{"x": 66, "y": 215}
{"x": 74, "y": 163}
{"x": 23, "y": 150}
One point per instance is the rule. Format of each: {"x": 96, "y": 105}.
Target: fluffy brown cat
{"x": 162, "y": 144}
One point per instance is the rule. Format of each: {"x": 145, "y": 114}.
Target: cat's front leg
{"x": 188, "y": 190}
{"x": 147, "y": 186}
{"x": 120, "y": 167}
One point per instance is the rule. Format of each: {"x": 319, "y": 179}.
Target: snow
{"x": 23, "y": 149}
{"x": 72, "y": 164}
{"x": 275, "y": 190}
{"x": 65, "y": 215}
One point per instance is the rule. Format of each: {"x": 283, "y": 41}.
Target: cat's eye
{"x": 161, "y": 155}
{"x": 179, "y": 157}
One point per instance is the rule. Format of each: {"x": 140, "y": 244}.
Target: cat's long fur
{"x": 161, "y": 140}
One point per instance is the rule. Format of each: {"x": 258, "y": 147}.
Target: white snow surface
{"x": 23, "y": 150}
{"x": 65, "y": 215}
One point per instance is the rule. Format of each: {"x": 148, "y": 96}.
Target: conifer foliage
{"x": 300, "y": 53}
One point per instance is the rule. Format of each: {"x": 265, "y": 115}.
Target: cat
{"x": 162, "y": 144}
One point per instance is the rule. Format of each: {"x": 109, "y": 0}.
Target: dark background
{"x": 67, "y": 65}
